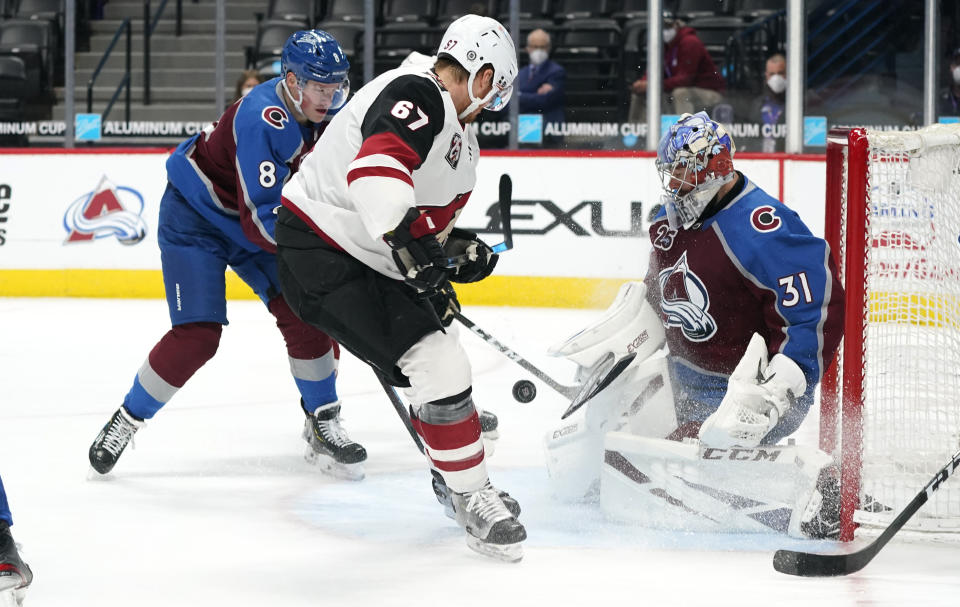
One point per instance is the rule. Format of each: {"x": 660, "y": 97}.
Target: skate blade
{"x": 93, "y": 475}
{"x": 331, "y": 467}
{"x": 508, "y": 553}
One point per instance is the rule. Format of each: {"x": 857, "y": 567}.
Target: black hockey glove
{"x": 421, "y": 260}
{"x": 478, "y": 259}
{"x": 444, "y": 301}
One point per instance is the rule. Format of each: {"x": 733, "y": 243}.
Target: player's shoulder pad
{"x": 406, "y": 98}
{"x": 757, "y": 213}
{"x": 263, "y": 114}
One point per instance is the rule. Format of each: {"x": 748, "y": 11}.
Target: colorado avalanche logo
{"x": 764, "y": 219}
{"x": 108, "y": 210}
{"x": 453, "y": 154}
{"x": 685, "y": 302}
{"x": 275, "y": 117}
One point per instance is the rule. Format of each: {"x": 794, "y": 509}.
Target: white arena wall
{"x": 580, "y": 221}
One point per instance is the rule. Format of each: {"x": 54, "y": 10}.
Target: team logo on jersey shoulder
{"x": 453, "y": 154}
{"x": 685, "y": 301}
{"x": 764, "y": 219}
{"x": 275, "y": 116}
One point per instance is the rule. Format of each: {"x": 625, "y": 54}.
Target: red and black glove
{"x": 417, "y": 253}
{"x": 477, "y": 259}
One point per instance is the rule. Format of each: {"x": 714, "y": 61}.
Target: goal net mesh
{"x": 911, "y": 339}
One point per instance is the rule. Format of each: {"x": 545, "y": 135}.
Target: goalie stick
{"x": 807, "y": 564}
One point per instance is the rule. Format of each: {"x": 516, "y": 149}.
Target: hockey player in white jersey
{"x": 364, "y": 237}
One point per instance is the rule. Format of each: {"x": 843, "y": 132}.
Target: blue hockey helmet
{"x": 694, "y": 160}
{"x": 315, "y": 55}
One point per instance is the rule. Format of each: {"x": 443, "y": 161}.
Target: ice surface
{"x": 216, "y": 506}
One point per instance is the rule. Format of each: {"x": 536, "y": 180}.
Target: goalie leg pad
{"x": 666, "y": 484}
{"x": 640, "y": 401}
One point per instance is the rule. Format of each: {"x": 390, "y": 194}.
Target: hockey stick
{"x": 807, "y": 564}
{"x": 568, "y": 391}
{"x": 594, "y": 385}
{"x": 504, "y": 204}
{"x": 506, "y": 200}
{"x": 579, "y": 395}
{"x": 400, "y": 408}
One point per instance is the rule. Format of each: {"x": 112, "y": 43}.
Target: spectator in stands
{"x": 541, "y": 84}
{"x": 769, "y": 109}
{"x": 245, "y": 83}
{"x": 948, "y": 102}
{"x": 691, "y": 81}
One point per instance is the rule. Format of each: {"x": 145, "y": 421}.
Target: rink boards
{"x": 83, "y": 223}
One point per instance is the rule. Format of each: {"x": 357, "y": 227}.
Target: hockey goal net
{"x": 890, "y": 407}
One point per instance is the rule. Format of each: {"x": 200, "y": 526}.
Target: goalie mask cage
{"x": 892, "y": 400}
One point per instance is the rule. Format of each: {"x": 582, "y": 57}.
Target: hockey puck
{"x": 524, "y": 391}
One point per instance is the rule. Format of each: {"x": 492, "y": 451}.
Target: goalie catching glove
{"x": 476, "y": 259}
{"x": 417, "y": 253}
{"x": 759, "y": 394}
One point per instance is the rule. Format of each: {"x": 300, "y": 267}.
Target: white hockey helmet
{"x": 473, "y": 42}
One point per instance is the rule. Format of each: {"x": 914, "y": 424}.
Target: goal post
{"x": 890, "y": 404}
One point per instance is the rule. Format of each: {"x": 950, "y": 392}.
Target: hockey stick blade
{"x": 808, "y": 564}
{"x": 586, "y": 394}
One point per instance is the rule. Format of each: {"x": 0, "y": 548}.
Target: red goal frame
{"x": 845, "y": 229}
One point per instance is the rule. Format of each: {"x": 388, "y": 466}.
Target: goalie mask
{"x": 473, "y": 42}
{"x": 321, "y": 68}
{"x": 694, "y": 160}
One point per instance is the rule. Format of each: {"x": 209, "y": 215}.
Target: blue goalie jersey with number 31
{"x": 751, "y": 267}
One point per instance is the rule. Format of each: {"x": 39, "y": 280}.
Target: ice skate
{"x": 15, "y": 575}
{"x": 442, "y": 491}
{"x": 821, "y": 519}
{"x": 112, "y": 440}
{"x": 491, "y": 529}
{"x": 329, "y": 446}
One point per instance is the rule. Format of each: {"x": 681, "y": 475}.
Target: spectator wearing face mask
{"x": 948, "y": 102}
{"x": 541, "y": 84}
{"x": 245, "y": 83}
{"x": 769, "y": 109}
{"x": 691, "y": 80}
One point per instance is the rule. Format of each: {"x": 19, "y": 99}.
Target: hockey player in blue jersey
{"x": 219, "y": 209}
{"x": 730, "y": 261}
{"x": 747, "y": 302}
{"x": 15, "y": 575}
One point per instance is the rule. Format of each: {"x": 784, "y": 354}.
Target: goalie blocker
{"x": 615, "y": 447}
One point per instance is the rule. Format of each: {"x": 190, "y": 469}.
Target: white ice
{"x": 216, "y": 506}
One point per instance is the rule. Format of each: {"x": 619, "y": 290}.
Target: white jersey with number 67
{"x": 397, "y": 144}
